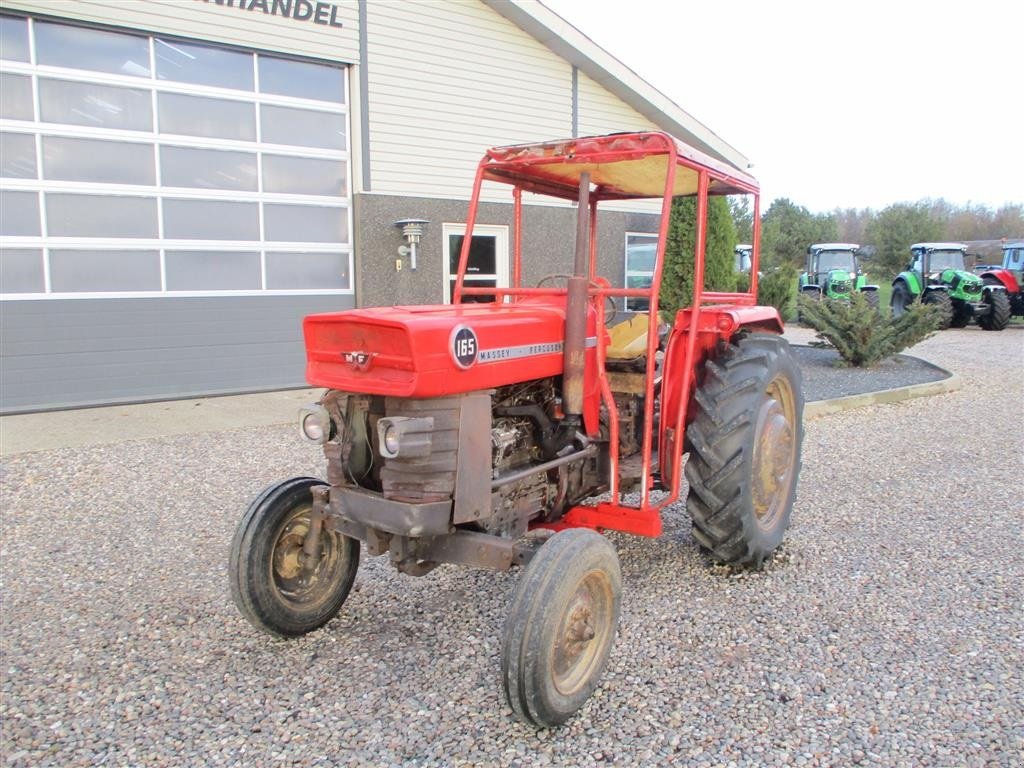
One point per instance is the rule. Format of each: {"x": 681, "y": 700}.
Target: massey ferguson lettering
{"x": 300, "y": 10}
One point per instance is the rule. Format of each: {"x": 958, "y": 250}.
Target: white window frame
{"x": 156, "y": 139}
{"x": 628, "y": 273}
{"x": 501, "y": 256}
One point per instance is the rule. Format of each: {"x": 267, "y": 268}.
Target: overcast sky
{"x": 839, "y": 104}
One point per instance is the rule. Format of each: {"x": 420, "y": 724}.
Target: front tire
{"x": 900, "y": 300}
{"x": 269, "y": 583}
{"x": 944, "y": 304}
{"x": 744, "y": 445}
{"x": 999, "y": 313}
{"x": 561, "y": 627}
{"x": 872, "y": 299}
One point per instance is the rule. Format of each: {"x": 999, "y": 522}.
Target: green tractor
{"x": 937, "y": 275}
{"x": 833, "y": 272}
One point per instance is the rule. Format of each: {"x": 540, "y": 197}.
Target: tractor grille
{"x": 971, "y": 288}
{"x": 429, "y": 478}
{"x": 841, "y": 286}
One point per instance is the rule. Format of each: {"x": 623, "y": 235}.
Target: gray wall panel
{"x": 59, "y": 354}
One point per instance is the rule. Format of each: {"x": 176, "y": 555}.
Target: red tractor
{"x": 481, "y": 433}
{"x": 1009, "y": 274}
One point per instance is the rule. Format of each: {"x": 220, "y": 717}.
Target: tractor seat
{"x": 627, "y": 348}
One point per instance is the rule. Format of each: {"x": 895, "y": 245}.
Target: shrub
{"x": 860, "y": 333}
{"x": 719, "y": 259}
{"x": 778, "y": 289}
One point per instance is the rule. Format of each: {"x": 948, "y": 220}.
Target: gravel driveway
{"x": 888, "y": 631}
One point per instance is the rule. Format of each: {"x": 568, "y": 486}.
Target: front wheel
{"x": 999, "y": 313}
{"x": 900, "y": 300}
{"x": 944, "y": 304}
{"x": 561, "y": 627}
{"x": 872, "y": 299}
{"x": 744, "y": 445}
{"x": 272, "y": 583}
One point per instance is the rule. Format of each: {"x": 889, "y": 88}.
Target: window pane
{"x": 475, "y": 283}
{"x": 69, "y": 215}
{"x": 290, "y": 271}
{"x": 203, "y": 65}
{"x": 483, "y": 252}
{"x": 302, "y": 127}
{"x": 61, "y": 45}
{"x": 21, "y": 270}
{"x": 101, "y": 271}
{"x": 113, "y": 162}
{"x": 212, "y": 271}
{"x": 18, "y": 155}
{"x": 16, "y": 97}
{"x": 303, "y": 175}
{"x": 211, "y": 220}
{"x": 302, "y": 79}
{"x": 207, "y": 168}
{"x": 641, "y": 252}
{"x": 103, "y": 106}
{"x": 13, "y": 38}
{"x": 305, "y": 223}
{"x": 19, "y": 214}
{"x": 199, "y": 116}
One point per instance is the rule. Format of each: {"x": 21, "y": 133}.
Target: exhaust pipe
{"x": 576, "y": 311}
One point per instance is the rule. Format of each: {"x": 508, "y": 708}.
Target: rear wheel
{"x": 744, "y": 445}
{"x": 998, "y": 316}
{"x": 271, "y": 582}
{"x": 941, "y": 301}
{"x": 561, "y": 627}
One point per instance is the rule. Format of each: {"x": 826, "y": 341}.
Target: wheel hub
{"x": 582, "y": 633}
{"x": 773, "y": 455}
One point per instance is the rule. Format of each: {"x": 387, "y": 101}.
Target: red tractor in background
{"x": 481, "y": 433}
{"x": 1009, "y": 274}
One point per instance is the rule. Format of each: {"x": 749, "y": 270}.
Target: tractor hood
{"x": 438, "y": 350}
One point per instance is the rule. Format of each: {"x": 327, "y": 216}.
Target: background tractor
{"x": 480, "y": 433}
{"x": 937, "y": 276}
{"x": 833, "y": 272}
{"x": 1009, "y": 274}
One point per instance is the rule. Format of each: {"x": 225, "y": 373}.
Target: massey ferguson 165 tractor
{"x": 1009, "y": 274}
{"x": 506, "y": 434}
{"x": 937, "y": 276}
{"x": 833, "y": 272}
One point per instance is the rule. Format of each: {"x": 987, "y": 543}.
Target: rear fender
{"x": 716, "y": 323}
{"x": 909, "y": 281}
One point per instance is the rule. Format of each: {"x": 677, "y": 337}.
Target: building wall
{"x": 70, "y": 353}
{"x": 549, "y": 236}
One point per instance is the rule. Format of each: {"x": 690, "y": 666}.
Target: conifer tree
{"x": 719, "y": 264}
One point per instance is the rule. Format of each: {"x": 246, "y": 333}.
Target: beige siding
{"x": 601, "y": 111}
{"x": 217, "y": 23}
{"x": 446, "y": 81}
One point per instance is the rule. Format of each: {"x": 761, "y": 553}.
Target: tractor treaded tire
{"x": 944, "y": 303}
{"x": 900, "y": 299}
{"x": 999, "y": 316}
{"x": 872, "y": 299}
{"x": 721, "y": 443}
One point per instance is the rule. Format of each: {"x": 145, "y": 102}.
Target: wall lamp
{"x": 412, "y": 231}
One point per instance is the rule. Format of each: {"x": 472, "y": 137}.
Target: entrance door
{"x": 488, "y": 259}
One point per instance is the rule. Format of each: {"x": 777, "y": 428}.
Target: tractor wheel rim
{"x": 293, "y": 583}
{"x": 583, "y": 634}
{"x": 774, "y": 452}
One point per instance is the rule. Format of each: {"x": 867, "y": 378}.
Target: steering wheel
{"x": 609, "y": 301}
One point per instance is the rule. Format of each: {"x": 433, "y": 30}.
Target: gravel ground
{"x": 887, "y": 631}
{"x": 825, "y": 378}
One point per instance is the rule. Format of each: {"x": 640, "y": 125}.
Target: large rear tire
{"x": 744, "y": 445}
{"x": 561, "y": 627}
{"x": 944, "y": 304}
{"x": 269, "y": 582}
{"x": 999, "y": 313}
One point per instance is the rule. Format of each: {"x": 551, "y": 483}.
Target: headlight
{"x": 391, "y": 440}
{"x": 405, "y": 436}
{"x": 315, "y": 423}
